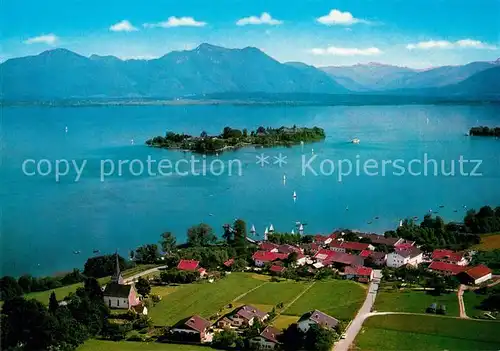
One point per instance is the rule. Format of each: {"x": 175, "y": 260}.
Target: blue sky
{"x": 415, "y": 33}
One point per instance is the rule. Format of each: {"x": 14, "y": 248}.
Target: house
{"x": 445, "y": 268}
{"x": 316, "y": 317}
{"x": 377, "y": 258}
{"x": 404, "y": 244}
{"x": 260, "y": 258}
{"x": 267, "y": 340}
{"x": 475, "y": 275}
{"x": 378, "y": 240}
{"x": 348, "y": 246}
{"x": 246, "y": 315}
{"x": 140, "y": 309}
{"x": 117, "y": 294}
{"x": 267, "y": 246}
{"x": 323, "y": 239}
{"x": 194, "y": 328}
{"x": 288, "y": 249}
{"x": 360, "y": 273}
{"x": 191, "y": 266}
{"x": 229, "y": 263}
{"x": 412, "y": 256}
{"x": 449, "y": 256}
{"x": 276, "y": 269}
{"x": 328, "y": 257}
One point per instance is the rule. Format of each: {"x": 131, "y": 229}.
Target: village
{"x": 358, "y": 258}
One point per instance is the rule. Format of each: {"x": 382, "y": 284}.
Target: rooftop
{"x": 188, "y": 265}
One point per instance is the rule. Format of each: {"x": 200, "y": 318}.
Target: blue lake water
{"x": 44, "y": 221}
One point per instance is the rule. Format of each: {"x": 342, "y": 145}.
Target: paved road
{"x": 460, "y": 295}
{"x": 355, "y": 326}
{"x": 140, "y": 274}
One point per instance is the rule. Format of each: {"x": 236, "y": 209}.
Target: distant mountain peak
{"x": 59, "y": 52}
{"x": 208, "y": 47}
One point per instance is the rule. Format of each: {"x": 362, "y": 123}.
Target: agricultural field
{"x": 271, "y": 294}
{"x": 339, "y": 298}
{"x": 202, "y": 298}
{"x": 101, "y": 345}
{"x": 488, "y": 242}
{"x": 412, "y": 332}
{"x": 414, "y": 301}
{"x": 283, "y": 321}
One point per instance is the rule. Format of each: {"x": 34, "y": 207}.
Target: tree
{"x": 102, "y": 266}
{"x": 292, "y": 338}
{"x": 25, "y": 282}
{"x": 93, "y": 289}
{"x": 201, "y": 235}
{"x": 224, "y": 339}
{"x": 9, "y": 288}
{"x": 319, "y": 338}
{"x": 53, "y": 304}
{"x": 168, "y": 242}
{"x": 143, "y": 287}
{"x": 240, "y": 234}
{"x": 147, "y": 253}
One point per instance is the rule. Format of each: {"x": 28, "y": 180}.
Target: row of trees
{"x": 31, "y": 325}
{"x": 486, "y": 220}
{"x": 316, "y": 338}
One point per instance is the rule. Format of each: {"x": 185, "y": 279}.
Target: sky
{"x": 413, "y": 33}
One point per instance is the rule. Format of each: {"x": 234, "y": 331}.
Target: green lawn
{"x": 273, "y": 293}
{"x": 410, "y": 332}
{"x": 202, "y": 298}
{"x": 283, "y": 321}
{"x": 100, "y": 345}
{"x": 472, "y": 301}
{"x": 414, "y": 301}
{"x": 339, "y": 298}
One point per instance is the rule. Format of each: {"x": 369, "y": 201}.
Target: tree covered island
{"x": 234, "y": 138}
{"x": 485, "y": 131}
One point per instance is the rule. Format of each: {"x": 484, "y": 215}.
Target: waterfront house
{"x": 316, "y": 317}
{"x": 412, "y": 256}
{"x": 192, "y": 329}
{"x": 191, "y": 266}
{"x": 267, "y": 340}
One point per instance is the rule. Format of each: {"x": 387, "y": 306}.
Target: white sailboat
{"x": 271, "y": 228}
{"x": 252, "y": 230}
{"x": 400, "y": 223}
{"x": 294, "y": 195}
{"x": 293, "y": 231}
{"x": 132, "y": 141}
{"x": 66, "y": 129}
{"x": 355, "y": 141}
{"x": 301, "y": 228}
{"x": 265, "y": 234}
{"x": 312, "y": 151}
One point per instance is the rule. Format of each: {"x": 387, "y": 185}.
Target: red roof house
{"x": 475, "y": 275}
{"x": 267, "y": 246}
{"x": 343, "y": 246}
{"x": 193, "y": 325}
{"x": 229, "y": 262}
{"x": 188, "y": 265}
{"x": 260, "y": 258}
{"x": 365, "y": 253}
{"x": 359, "y": 272}
{"x": 446, "y": 268}
{"x": 449, "y": 256}
{"x": 277, "y": 269}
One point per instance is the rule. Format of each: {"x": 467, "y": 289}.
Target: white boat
{"x": 132, "y": 141}
{"x": 271, "y": 228}
{"x": 400, "y": 223}
{"x": 355, "y": 141}
{"x": 312, "y": 151}
{"x": 347, "y": 208}
{"x": 301, "y": 229}
{"x": 294, "y": 195}
{"x": 293, "y": 231}
{"x": 265, "y": 234}
{"x": 66, "y": 129}
{"x": 252, "y": 230}
{"x": 284, "y": 177}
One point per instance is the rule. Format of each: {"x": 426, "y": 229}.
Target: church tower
{"x": 117, "y": 277}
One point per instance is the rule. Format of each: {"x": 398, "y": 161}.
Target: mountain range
{"x": 209, "y": 69}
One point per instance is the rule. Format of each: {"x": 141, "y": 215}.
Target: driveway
{"x": 140, "y": 274}
{"x": 355, "y": 326}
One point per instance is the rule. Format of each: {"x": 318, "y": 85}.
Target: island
{"x": 231, "y": 138}
{"x": 485, "y": 131}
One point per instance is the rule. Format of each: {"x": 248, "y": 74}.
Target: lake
{"x": 43, "y": 220}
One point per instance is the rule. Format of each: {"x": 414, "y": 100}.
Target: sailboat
{"x": 294, "y": 195}
{"x": 271, "y": 228}
{"x": 252, "y": 230}
{"x": 293, "y": 231}
{"x": 301, "y": 228}
{"x": 66, "y": 129}
{"x": 132, "y": 141}
{"x": 265, "y": 234}
{"x": 400, "y": 223}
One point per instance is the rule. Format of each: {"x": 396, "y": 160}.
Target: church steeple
{"x": 117, "y": 277}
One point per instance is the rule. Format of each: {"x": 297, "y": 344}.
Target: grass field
{"x": 408, "y": 332}
{"x": 283, "y": 321}
{"x": 339, "y": 298}
{"x": 203, "y": 298}
{"x": 271, "y": 294}
{"x": 414, "y": 302}
{"x": 489, "y": 242}
{"x": 100, "y": 345}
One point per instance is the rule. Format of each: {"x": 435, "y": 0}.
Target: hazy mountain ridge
{"x": 210, "y": 69}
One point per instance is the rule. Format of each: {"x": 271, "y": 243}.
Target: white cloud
{"x": 445, "y": 44}
{"x": 123, "y": 26}
{"x": 176, "y": 22}
{"x": 336, "y": 51}
{"x": 49, "y": 39}
{"x": 337, "y": 17}
{"x": 265, "y": 18}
